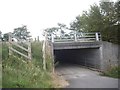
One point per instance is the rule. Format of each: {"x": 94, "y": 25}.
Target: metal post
{"x": 96, "y": 35}
{"x": 52, "y": 38}
{"x": 75, "y": 36}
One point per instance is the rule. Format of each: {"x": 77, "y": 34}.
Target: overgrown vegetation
{"x": 21, "y": 73}
{"x": 112, "y": 72}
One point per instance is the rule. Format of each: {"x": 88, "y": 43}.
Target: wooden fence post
{"x": 29, "y": 50}
{"x": 44, "y": 52}
{"x": 10, "y": 46}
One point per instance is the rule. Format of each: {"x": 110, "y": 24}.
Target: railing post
{"x": 75, "y": 36}
{"x": 52, "y": 38}
{"x": 96, "y": 35}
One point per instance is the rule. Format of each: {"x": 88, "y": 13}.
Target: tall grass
{"x": 21, "y": 73}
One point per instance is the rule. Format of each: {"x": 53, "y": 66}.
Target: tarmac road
{"x": 79, "y": 77}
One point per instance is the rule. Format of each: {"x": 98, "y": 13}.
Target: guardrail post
{"x": 52, "y": 38}
{"x": 96, "y": 35}
{"x": 75, "y": 36}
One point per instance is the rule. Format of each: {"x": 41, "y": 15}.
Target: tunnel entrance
{"x": 89, "y": 57}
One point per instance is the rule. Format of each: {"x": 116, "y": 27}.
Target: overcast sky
{"x": 39, "y": 14}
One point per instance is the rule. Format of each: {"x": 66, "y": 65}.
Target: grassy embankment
{"x": 113, "y": 72}
{"x": 21, "y": 73}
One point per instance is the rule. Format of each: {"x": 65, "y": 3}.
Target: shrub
{"x": 112, "y": 72}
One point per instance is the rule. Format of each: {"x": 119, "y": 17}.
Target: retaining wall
{"x": 110, "y": 55}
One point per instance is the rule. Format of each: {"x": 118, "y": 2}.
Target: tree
{"x": 0, "y": 36}
{"x": 101, "y": 18}
{"x": 60, "y": 28}
{"x": 21, "y": 32}
{"x": 6, "y": 37}
{"x": 75, "y": 25}
{"x": 110, "y": 18}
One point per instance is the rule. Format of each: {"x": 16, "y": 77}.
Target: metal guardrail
{"x": 78, "y": 37}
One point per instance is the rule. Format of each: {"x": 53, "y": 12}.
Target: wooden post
{"x": 38, "y": 39}
{"x": 43, "y": 50}
{"x": 10, "y": 46}
{"x": 29, "y": 50}
{"x": 35, "y": 39}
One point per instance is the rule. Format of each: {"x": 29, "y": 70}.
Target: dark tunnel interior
{"x": 86, "y": 57}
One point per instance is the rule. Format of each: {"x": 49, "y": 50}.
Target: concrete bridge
{"x": 84, "y": 49}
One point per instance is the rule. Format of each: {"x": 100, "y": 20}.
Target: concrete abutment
{"x": 98, "y": 55}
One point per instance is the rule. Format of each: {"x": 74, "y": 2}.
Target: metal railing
{"x": 77, "y": 36}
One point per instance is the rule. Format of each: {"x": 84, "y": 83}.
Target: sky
{"x": 39, "y": 14}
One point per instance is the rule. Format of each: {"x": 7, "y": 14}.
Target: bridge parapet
{"x": 74, "y": 37}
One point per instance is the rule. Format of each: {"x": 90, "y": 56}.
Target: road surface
{"x": 79, "y": 77}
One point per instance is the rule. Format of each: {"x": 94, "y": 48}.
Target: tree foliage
{"x": 5, "y": 37}
{"x": 22, "y": 33}
{"x": 103, "y": 18}
{"x": 60, "y": 28}
{"x": 0, "y": 36}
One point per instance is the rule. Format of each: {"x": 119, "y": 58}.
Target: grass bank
{"x": 113, "y": 72}
{"x": 21, "y": 73}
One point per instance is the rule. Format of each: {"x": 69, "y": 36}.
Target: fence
{"x": 18, "y": 45}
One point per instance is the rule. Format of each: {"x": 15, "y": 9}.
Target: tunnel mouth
{"x": 88, "y": 57}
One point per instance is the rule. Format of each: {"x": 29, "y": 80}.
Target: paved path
{"x": 79, "y": 77}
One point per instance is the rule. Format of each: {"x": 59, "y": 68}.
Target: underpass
{"x": 87, "y": 54}
{"x": 89, "y": 57}
{"x": 71, "y": 55}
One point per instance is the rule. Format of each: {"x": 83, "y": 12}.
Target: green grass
{"x": 18, "y": 73}
{"x": 113, "y": 72}
{"x": 21, "y": 73}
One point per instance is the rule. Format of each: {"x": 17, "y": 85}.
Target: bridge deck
{"x": 76, "y": 45}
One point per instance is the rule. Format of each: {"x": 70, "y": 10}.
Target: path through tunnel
{"x": 89, "y": 57}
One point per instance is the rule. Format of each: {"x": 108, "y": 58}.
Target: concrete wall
{"x": 110, "y": 54}
{"x": 102, "y": 58}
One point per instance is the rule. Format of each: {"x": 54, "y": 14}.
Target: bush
{"x": 112, "y": 72}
